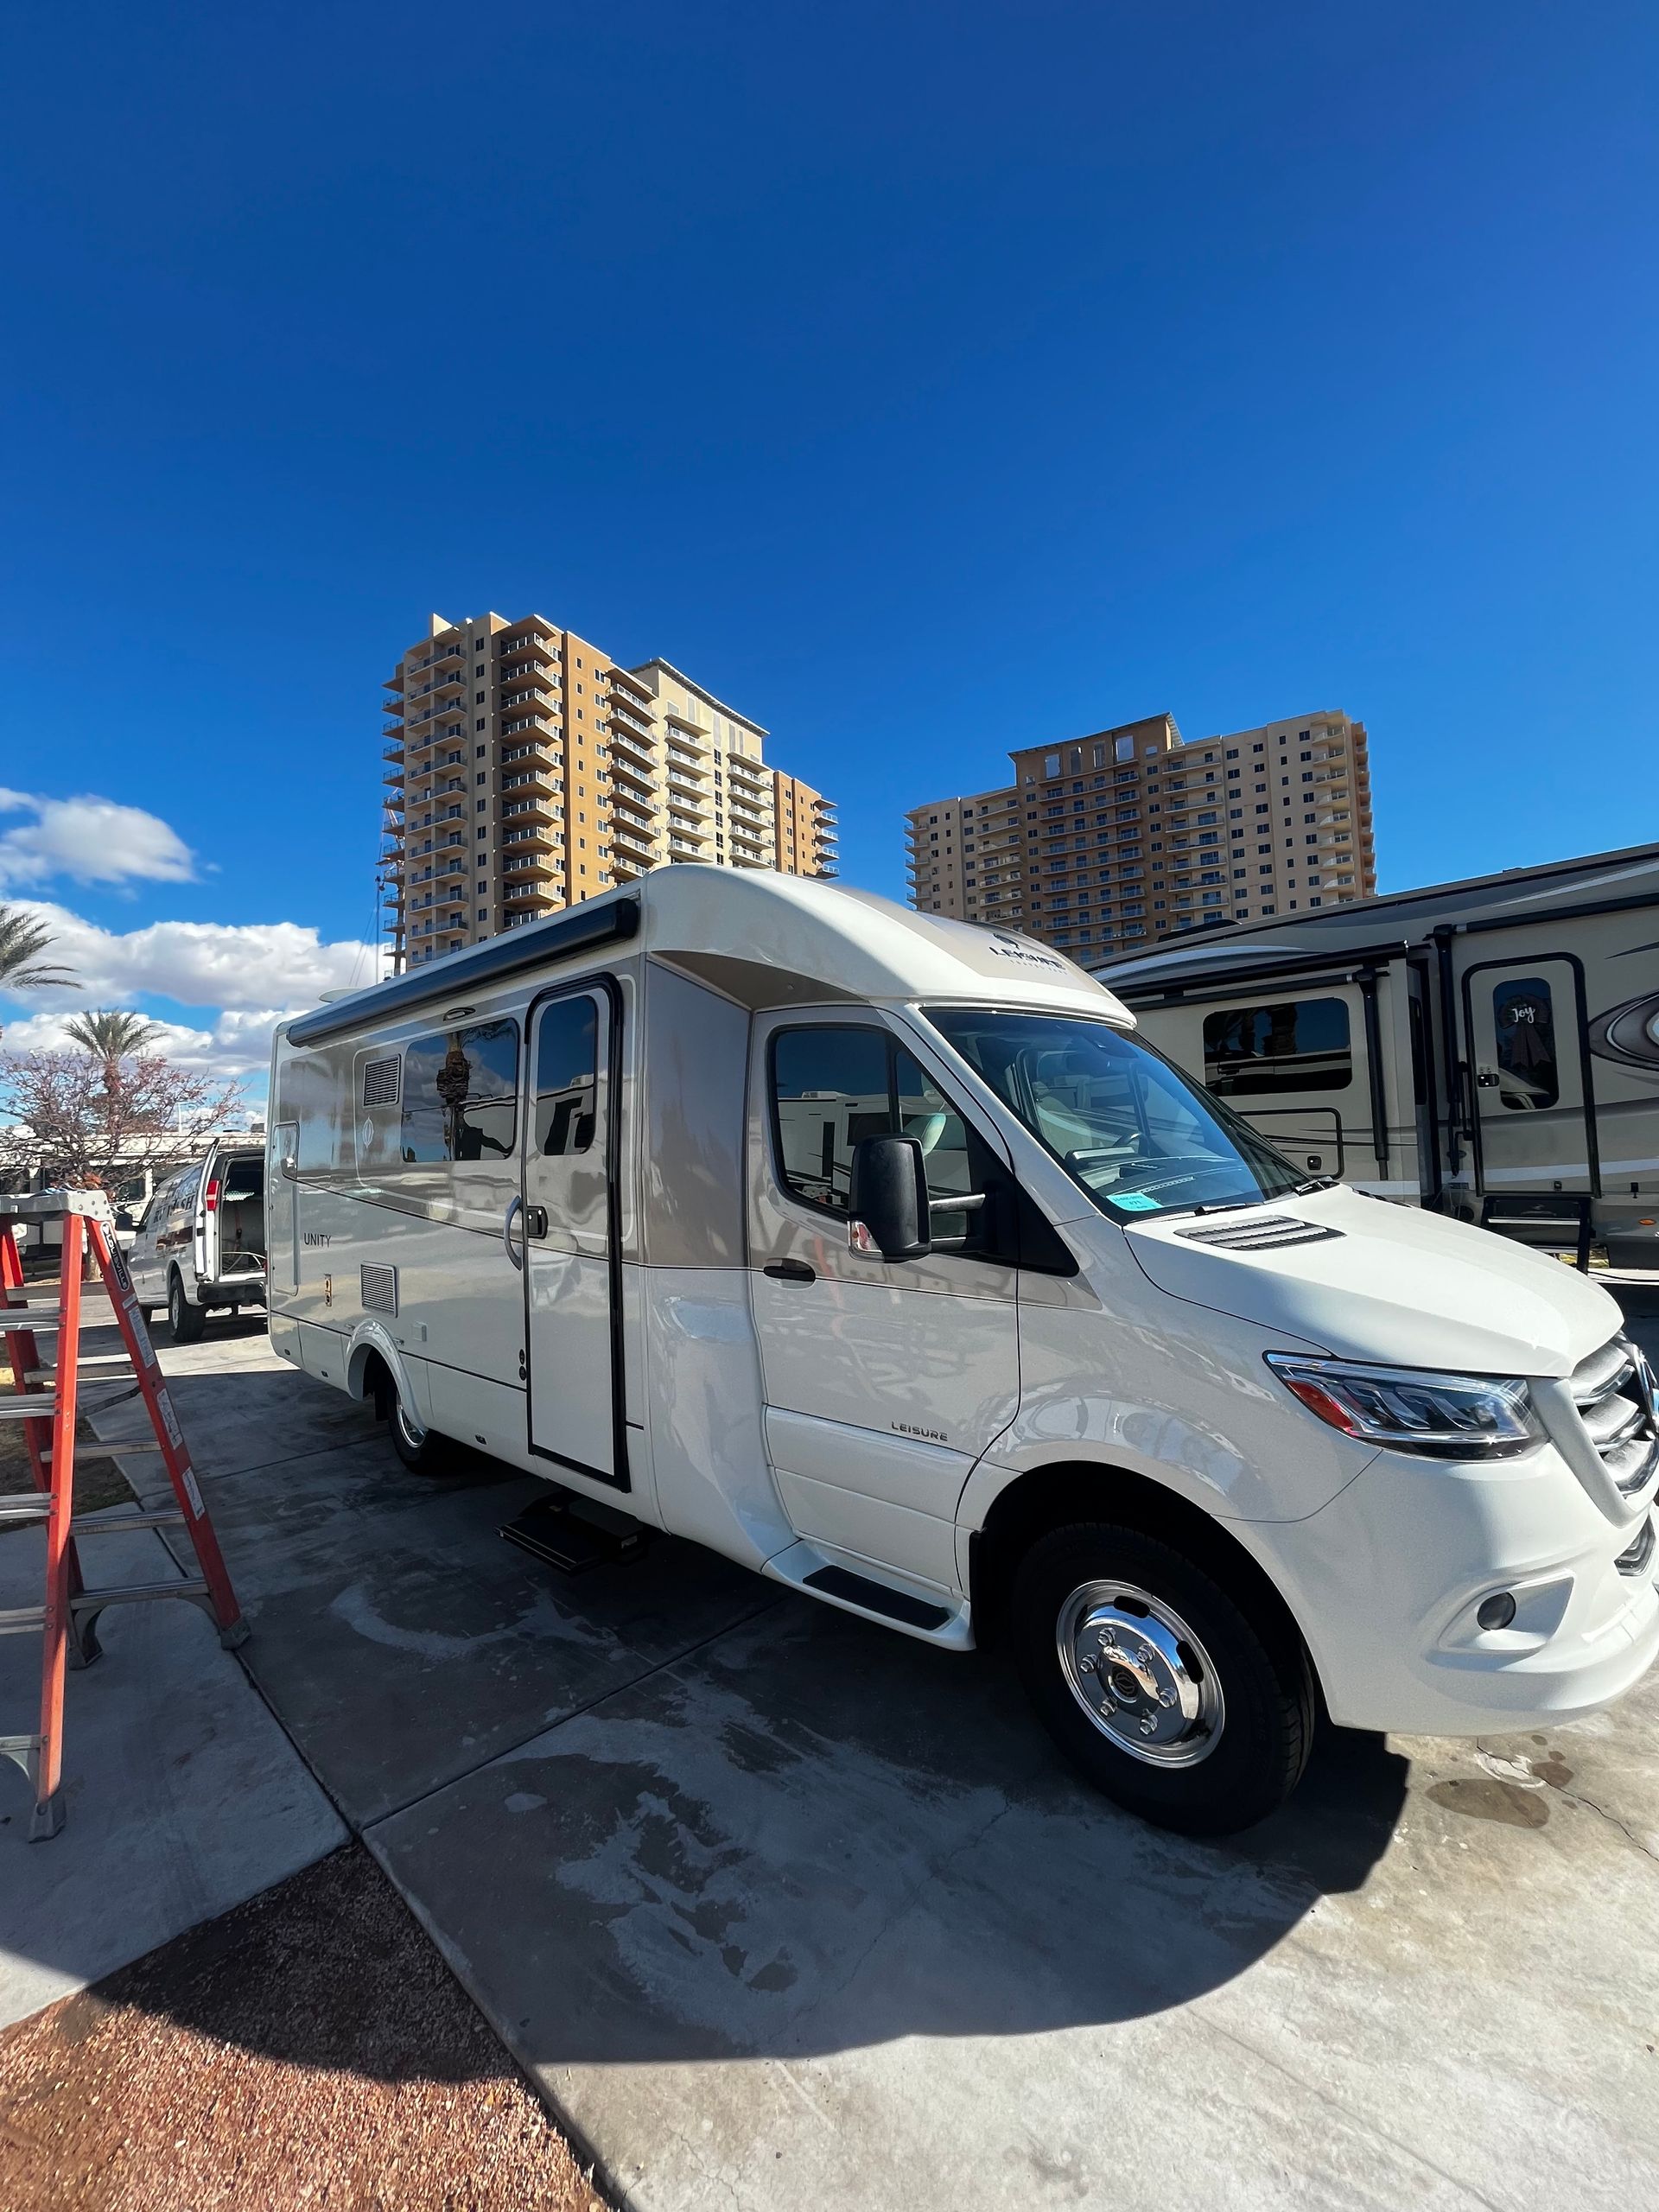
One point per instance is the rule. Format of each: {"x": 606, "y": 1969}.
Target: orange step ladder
{"x": 45, "y": 1399}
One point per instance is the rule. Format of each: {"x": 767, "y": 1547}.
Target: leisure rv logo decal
{"x": 1011, "y": 948}
{"x": 927, "y": 1435}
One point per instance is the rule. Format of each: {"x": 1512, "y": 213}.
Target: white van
{"x": 876, "y": 1252}
{"x": 198, "y": 1247}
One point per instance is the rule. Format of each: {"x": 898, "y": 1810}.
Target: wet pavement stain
{"x": 1503, "y": 1801}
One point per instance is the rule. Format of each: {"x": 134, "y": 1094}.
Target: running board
{"x": 573, "y": 1534}
{"x": 929, "y": 1615}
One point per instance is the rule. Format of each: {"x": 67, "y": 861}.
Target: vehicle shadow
{"x": 665, "y": 1812}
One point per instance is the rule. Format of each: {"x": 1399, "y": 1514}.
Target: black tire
{"x": 1240, "y": 1754}
{"x": 421, "y": 1450}
{"x": 185, "y": 1322}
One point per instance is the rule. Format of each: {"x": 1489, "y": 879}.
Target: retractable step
{"x": 576, "y": 1534}
{"x": 1549, "y": 1221}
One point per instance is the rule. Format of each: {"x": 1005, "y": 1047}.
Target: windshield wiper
{"x": 1314, "y": 1183}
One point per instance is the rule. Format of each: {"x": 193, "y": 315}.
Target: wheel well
{"x": 1049, "y": 1497}
{"x": 374, "y": 1380}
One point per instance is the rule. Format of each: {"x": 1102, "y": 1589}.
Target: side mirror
{"x": 889, "y": 1199}
{"x": 123, "y": 1218}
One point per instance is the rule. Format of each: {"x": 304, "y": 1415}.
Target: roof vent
{"x": 1267, "y": 1232}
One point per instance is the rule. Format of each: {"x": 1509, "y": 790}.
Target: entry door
{"x": 282, "y": 1240}
{"x": 884, "y": 1381}
{"x": 1530, "y": 1082}
{"x": 572, "y": 1259}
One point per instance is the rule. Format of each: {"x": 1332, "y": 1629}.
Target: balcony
{"x": 625, "y": 716}
{"x": 539, "y": 867}
{"x": 633, "y": 763}
{"x": 536, "y": 808}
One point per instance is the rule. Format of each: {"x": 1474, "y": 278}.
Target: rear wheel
{"x": 421, "y": 1449}
{"x": 1174, "y": 1695}
{"x": 185, "y": 1322}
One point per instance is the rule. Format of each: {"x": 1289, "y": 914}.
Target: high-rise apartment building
{"x": 1134, "y": 833}
{"x": 526, "y": 769}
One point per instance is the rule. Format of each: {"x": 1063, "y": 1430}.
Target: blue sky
{"x": 927, "y": 379}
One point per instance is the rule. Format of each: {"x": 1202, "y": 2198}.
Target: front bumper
{"x": 1385, "y": 1581}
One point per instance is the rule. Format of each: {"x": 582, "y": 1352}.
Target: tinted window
{"x": 567, "y": 1074}
{"x": 461, "y": 1094}
{"x": 1250, "y": 1051}
{"x": 185, "y": 1194}
{"x": 1524, "y": 1017}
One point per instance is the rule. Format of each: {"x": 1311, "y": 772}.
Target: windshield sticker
{"x": 1134, "y": 1202}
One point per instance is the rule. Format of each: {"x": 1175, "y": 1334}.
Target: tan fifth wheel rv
{"x": 1488, "y": 1049}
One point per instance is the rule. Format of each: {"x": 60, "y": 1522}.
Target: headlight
{"x": 1448, "y": 1416}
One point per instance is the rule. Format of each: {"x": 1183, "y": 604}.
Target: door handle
{"x": 790, "y": 1271}
{"x": 535, "y": 1221}
{"x": 518, "y": 1258}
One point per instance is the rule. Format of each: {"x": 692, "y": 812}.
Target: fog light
{"x": 1496, "y": 1611}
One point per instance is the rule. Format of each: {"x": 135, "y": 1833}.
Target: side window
{"x": 1250, "y": 1051}
{"x": 566, "y": 1073}
{"x": 460, "y": 1094}
{"x": 185, "y": 1194}
{"x": 829, "y": 1088}
{"x": 1523, "y": 1015}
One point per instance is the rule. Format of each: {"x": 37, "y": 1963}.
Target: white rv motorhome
{"x": 877, "y": 1253}
{"x": 1487, "y": 1049}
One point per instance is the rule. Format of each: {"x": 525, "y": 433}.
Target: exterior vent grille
{"x": 382, "y": 1081}
{"x": 378, "y": 1288}
{"x": 1613, "y": 1390}
{"x": 1270, "y": 1232}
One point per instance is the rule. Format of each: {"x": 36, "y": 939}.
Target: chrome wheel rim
{"x": 1140, "y": 1674}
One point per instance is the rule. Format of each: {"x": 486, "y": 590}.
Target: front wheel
{"x": 1170, "y": 1693}
{"x": 185, "y": 1322}
{"x": 421, "y": 1449}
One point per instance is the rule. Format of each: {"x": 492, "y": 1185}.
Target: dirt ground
{"x": 310, "y": 2049}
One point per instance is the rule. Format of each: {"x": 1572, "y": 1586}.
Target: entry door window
{"x": 1523, "y": 1017}
{"x": 567, "y": 1076}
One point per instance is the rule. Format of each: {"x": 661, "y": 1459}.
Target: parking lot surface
{"x": 782, "y": 1909}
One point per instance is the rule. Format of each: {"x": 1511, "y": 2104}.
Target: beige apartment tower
{"x": 1134, "y": 833}
{"x": 526, "y": 769}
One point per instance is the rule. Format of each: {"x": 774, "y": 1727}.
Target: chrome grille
{"x": 1613, "y": 1390}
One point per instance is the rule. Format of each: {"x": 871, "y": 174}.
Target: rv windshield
{"x": 1136, "y": 1134}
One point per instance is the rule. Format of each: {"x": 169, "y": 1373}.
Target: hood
{"x": 1386, "y": 1283}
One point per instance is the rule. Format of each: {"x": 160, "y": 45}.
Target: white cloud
{"x": 249, "y": 976}
{"x": 237, "y": 1046}
{"x": 244, "y": 968}
{"x": 91, "y": 840}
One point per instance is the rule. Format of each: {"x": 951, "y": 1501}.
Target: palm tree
{"x": 114, "y": 1035}
{"x": 21, "y": 943}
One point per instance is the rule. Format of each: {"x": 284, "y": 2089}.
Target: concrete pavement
{"x": 184, "y": 1796}
{"x": 784, "y": 1910}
